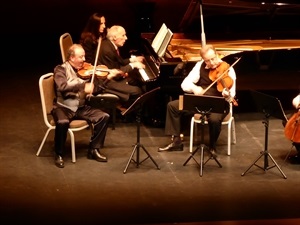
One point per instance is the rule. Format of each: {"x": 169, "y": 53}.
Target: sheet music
{"x": 152, "y": 61}
{"x": 159, "y": 38}
{"x": 164, "y": 45}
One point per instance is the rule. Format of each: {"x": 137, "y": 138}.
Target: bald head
{"x": 117, "y": 35}
{"x": 205, "y": 49}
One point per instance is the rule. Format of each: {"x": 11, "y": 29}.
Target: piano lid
{"x": 259, "y": 27}
{"x": 242, "y": 19}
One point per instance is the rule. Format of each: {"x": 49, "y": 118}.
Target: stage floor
{"x": 34, "y": 190}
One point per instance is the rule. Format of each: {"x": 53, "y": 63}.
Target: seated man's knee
{"x": 62, "y": 123}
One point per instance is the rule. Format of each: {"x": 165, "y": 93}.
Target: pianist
{"x": 126, "y": 87}
{"x": 195, "y": 83}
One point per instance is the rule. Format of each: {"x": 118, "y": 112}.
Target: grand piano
{"x": 262, "y": 50}
{"x": 164, "y": 69}
{"x": 169, "y": 68}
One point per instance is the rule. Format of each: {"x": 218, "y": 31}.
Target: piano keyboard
{"x": 151, "y": 71}
{"x": 144, "y": 75}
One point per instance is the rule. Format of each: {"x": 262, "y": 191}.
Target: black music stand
{"x": 269, "y": 106}
{"x": 137, "y": 107}
{"x": 204, "y": 105}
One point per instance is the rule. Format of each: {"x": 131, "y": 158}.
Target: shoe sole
{"x": 98, "y": 160}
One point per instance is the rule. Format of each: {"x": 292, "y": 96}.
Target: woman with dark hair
{"x": 94, "y": 28}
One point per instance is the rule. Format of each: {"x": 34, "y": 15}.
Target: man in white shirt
{"x": 198, "y": 82}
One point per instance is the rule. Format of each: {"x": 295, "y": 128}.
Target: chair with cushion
{"x": 102, "y": 101}
{"x": 47, "y": 94}
{"x": 228, "y": 120}
{"x": 65, "y": 42}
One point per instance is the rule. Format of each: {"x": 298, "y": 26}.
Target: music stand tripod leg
{"x": 130, "y": 158}
{"x": 280, "y": 170}
{"x": 192, "y": 156}
{"x": 266, "y": 167}
{"x": 149, "y": 156}
{"x": 254, "y": 163}
{"x": 201, "y": 160}
{"x": 217, "y": 161}
{"x": 136, "y": 150}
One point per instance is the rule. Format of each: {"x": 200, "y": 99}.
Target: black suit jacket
{"x": 109, "y": 57}
{"x": 119, "y": 86}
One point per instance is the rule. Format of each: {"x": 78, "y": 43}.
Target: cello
{"x": 292, "y": 128}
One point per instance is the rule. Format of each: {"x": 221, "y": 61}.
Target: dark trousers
{"x": 63, "y": 116}
{"x": 173, "y": 122}
{"x": 123, "y": 90}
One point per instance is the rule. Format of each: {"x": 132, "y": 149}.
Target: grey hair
{"x": 114, "y": 31}
{"x": 71, "y": 50}
{"x": 206, "y": 48}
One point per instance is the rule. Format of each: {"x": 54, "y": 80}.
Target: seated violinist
{"x": 71, "y": 94}
{"x": 292, "y": 129}
{"x": 204, "y": 73}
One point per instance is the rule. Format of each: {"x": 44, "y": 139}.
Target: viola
{"x": 292, "y": 128}
{"x": 224, "y": 81}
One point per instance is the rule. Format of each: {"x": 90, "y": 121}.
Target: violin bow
{"x": 95, "y": 63}
{"x": 220, "y": 77}
{"x": 96, "y": 59}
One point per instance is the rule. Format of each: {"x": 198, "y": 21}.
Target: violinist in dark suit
{"x": 197, "y": 82}
{"x": 71, "y": 95}
{"x": 124, "y": 86}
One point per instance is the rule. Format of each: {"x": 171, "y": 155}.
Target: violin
{"x": 224, "y": 81}
{"x": 101, "y": 71}
{"x": 292, "y": 128}
{"x": 87, "y": 70}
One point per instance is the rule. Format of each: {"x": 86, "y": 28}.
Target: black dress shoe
{"x": 294, "y": 159}
{"x": 95, "y": 154}
{"x": 59, "y": 162}
{"x": 172, "y": 147}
